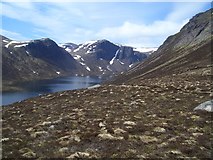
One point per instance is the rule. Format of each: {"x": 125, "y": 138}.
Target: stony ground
{"x": 143, "y": 119}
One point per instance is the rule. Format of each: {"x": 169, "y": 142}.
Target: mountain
{"x": 150, "y": 116}
{"x": 104, "y": 58}
{"x": 36, "y": 59}
{"x": 43, "y": 58}
{"x": 186, "y": 53}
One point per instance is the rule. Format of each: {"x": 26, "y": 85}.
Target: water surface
{"x": 36, "y": 88}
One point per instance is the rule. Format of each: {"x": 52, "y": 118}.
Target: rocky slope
{"x": 149, "y": 116}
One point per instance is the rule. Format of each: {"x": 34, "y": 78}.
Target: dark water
{"x": 36, "y": 88}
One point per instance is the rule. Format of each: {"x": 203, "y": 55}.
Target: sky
{"x": 137, "y": 24}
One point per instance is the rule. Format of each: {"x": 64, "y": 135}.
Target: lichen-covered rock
{"x": 131, "y": 123}
{"x": 119, "y": 131}
{"x": 159, "y": 129}
{"x": 148, "y": 139}
{"x": 27, "y": 153}
{"x": 79, "y": 155}
{"x": 109, "y": 136}
{"x": 65, "y": 140}
{"x": 5, "y": 139}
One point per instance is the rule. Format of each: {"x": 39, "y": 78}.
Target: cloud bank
{"x": 79, "y": 22}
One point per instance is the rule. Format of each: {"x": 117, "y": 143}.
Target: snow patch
{"x": 88, "y": 43}
{"x": 120, "y": 62}
{"x": 21, "y": 45}
{"x": 68, "y": 50}
{"x": 27, "y": 53}
{"x": 76, "y": 50}
{"x": 130, "y": 65}
{"x": 7, "y": 45}
{"x": 88, "y": 52}
{"x": 145, "y": 49}
{"x": 83, "y": 64}
{"x": 76, "y": 57}
{"x": 61, "y": 45}
{"x": 87, "y": 68}
{"x": 112, "y": 61}
{"x": 5, "y": 41}
{"x": 35, "y": 72}
{"x": 100, "y": 68}
{"x": 85, "y": 46}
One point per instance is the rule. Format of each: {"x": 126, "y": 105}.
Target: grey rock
{"x": 206, "y": 106}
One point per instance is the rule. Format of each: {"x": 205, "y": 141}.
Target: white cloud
{"x": 139, "y": 35}
{"x": 183, "y": 10}
{"x": 70, "y": 23}
{"x": 153, "y": 34}
{"x": 131, "y": 30}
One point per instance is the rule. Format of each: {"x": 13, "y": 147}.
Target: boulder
{"x": 206, "y": 106}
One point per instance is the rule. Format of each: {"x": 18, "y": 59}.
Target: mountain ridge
{"x": 44, "y": 58}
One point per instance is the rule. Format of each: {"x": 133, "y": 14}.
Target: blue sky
{"x": 138, "y": 24}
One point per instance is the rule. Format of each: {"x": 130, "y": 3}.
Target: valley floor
{"x": 151, "y": 118}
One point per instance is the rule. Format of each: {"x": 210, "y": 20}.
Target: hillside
{"x": 185, "y": 53}
{"x": 146, "y": 113}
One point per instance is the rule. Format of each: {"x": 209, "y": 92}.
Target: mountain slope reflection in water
{"x": 36, "y": 88}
